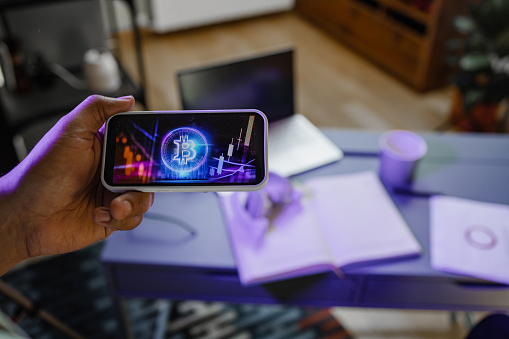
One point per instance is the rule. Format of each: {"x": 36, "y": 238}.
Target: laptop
{"x": 264, "y": 82}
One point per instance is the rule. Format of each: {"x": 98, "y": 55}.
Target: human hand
{"x": 54, "y": 202}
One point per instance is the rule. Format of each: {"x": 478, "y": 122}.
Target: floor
{"x": 336, "y": 88}
{"x": 403, "y": 324}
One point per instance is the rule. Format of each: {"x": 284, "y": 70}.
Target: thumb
{"x": 96, "y": 109}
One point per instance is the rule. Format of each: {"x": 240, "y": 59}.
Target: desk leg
{"x": 125, "y": 328}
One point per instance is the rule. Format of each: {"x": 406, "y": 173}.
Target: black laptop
{"x": 264, "y": 82}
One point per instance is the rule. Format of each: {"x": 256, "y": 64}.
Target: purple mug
{"x": 399, "y": 153}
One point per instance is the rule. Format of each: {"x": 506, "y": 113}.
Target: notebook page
{"x": 359, "y": 220}
{"x": 291, "y": 247}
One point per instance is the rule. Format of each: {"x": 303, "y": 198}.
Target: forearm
{"x": 12, "y": 243}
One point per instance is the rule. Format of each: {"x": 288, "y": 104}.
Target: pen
{"x": 413, "y": 193}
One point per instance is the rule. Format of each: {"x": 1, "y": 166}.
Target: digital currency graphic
{"x": 184, "y": 149}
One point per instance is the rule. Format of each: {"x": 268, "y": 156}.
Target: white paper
{"x": 470, "y": 238}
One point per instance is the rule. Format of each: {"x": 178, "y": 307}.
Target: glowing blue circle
{"x": 184, "y": 149}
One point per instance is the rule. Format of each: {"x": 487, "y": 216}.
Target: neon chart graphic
{"x": 236, "y": 166}
{"x": 187, "y": 149}
{"x": 184, "y": 149}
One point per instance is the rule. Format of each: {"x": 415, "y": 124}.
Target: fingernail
{"x": 127, "y": 208}
{"x": 126, "y": 98}
{"x": 103, "y": 216}
{"x": 152, "y": 197}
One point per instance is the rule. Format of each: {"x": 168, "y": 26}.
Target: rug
{"x": 73, "y": 288}
{"x": 199, "y": 320}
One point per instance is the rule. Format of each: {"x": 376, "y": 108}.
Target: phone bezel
{"x": 185, "y": 187}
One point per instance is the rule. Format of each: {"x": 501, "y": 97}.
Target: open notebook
{"x": 341, "y": 220}
{"x": 264, "y": 82}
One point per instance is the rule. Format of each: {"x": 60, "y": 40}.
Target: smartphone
{"x": 185, "y": 151}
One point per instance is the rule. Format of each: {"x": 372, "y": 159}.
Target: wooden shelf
{"x": 407, "y": 42}
{"x": 411, "y": 12}
{"x": 383, "y": 18}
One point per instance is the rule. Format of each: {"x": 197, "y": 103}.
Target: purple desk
{"x": 161, "y": 259}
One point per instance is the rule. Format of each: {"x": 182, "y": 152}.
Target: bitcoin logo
{"x": 184, "y": 149}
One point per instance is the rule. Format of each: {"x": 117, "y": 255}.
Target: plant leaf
{"x": 471, "y": 98}
{"x": 474, "y": 62}
{"x": 502, "y": 43}
{"x": 463, "y": 24}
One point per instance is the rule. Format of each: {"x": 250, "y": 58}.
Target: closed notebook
{"x": 470, "y": 238}
{"x": 340, "y": 220}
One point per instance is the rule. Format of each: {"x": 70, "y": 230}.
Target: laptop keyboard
{"x": 283, "y": 136}
{"x": 296, "y": 145}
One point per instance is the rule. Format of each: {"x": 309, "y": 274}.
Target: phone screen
{"x": 204, "y": 148}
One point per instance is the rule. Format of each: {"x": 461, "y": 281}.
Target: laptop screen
{"x": 264, "y": 83}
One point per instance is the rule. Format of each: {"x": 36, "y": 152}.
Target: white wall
{"x": 171, "y": 15}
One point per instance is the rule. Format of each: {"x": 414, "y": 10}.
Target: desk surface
{"x": 161, "y": 259}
